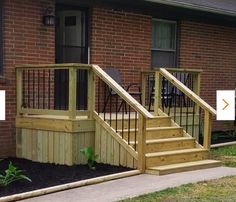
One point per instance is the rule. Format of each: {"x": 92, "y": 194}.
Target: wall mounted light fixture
{"x": 49, "y": 17}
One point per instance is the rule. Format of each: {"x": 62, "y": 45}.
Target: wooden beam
{"x": 143, "y": 87}
{"x": 91, "y": 93}
{"x": 157, "y": 100}
{"x": 43, "y": 112}
{"x": 142, "y": 125}
{"x": 53, "y": 124}
{"x": 207, "y": 130}
{"x": 54, "y": 66}
{"x": 120, "y": 91}
{"x": 193, "y": 96}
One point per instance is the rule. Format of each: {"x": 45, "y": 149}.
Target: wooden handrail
{"x": 121, "y": 91}
{"x": 183, "y": 70}
{"x": 54, "y": 66}
{"x": 187, "y": 91}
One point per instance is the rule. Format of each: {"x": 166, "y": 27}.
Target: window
{"x": 163, "y": 43}
{"x": 1, "y": 38}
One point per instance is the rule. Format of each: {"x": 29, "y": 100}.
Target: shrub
{"x": 12, "y": 174}
{"x": 90, "y": 155}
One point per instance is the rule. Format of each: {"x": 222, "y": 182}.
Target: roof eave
{"x": 194, "y": 7}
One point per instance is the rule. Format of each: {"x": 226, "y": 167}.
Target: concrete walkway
{"x": 133, "y": 186}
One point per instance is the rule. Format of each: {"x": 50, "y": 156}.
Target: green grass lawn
{"x": 225, "y": 154}
{"x": 220, "y": 190}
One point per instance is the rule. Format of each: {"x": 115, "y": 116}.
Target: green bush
{"x": 12, "y": 174}
{"x": 91, "y": 157}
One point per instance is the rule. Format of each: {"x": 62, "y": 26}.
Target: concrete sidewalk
{"x": 133, "y": 186}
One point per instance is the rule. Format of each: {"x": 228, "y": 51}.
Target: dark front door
{"x": 71, "y": 47}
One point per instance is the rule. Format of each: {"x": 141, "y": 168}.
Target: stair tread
{"x": 152, "y": 128}
{"x": 186, "y": 164}
{"x": 175, "y": 152}
{"x": 153, "y": 141}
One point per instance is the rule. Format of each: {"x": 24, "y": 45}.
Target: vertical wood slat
{"x": 103, "y": 146}
{"x": 157, "y": 100}
{"x": 50, "y": 147}
{"x": 116, "y": 150}
{"x": 141, "y": 142}
{"x": 56, "y": 147}
{"x": 98, "y": 141}
{"x": 72, "y": 92}
{"x": 62, "y": 148}
{"x": 207, "y": 129}
{"x": 45, "y": 146}
{"x": 39, "y": 146}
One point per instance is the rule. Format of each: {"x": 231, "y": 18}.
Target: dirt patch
{"x": 46, "y": 175}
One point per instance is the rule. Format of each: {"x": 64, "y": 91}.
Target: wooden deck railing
{"x": 55, "y": 90}
{"x": 188, "y": 93}
{"x": 38, "y": 93}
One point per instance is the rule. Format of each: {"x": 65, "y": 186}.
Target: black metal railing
{"x": 117, "y": 113}
{"x": 49, "y": 89}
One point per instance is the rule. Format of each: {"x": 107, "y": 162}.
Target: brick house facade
{"x": 117, "y": 37}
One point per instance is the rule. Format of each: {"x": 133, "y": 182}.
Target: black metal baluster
{"x": 28, "y": 90}
{"x": 123, "y": 119}
{"x": 43, "y": 89}
{"x": 24, "y": 88}
{"x": 175, "y": 96}
{"x": 129, "y": 126}
{"x": 33, "y": 90}
{"x": 60, "y": 91}
{"x": 193, "y": 123}
{"x": 38, "y": 89}
{"x": 187, "y": 103}
{"x": 116, "y": 112}
{"x": 110, "y": 108}
{"x": 99, "y": 83}
{"x": 200, "y": 134}
{"x": 181, "y": 100}
{"x": 49, "y": 89}
{"x": 104, "y": 102}
{"x": 135, "y": 130}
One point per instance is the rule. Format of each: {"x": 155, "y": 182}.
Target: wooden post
{"x": 207, "y": 129}
{"x": 72, "y": 92}
{"x": 19, "y": 90}
{"x": 143, "y": 88}
{"x": 141, "y": 142}
{"x": 91, "y": 93}
{"x": 157, "y": 100}
{"x": 197, "y": 83}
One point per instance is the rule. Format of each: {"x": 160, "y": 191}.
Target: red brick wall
{"x": 121, "y": 39}
{"x": 212, "y": 49}
{"x": 26, "y": 41}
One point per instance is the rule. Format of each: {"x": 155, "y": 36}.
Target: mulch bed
{"x": 46, "y": 175}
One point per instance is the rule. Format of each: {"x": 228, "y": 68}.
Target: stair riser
{"x": 176, "y": 158}
{"x": 157, "y": 134}
{"x": 161, "y": 122}
{"x": 170, "y": 146}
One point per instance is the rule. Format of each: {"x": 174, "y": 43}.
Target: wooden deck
{"x": 151, "y": 142}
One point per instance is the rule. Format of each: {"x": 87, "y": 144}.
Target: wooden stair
{"x": 169, "y": 149}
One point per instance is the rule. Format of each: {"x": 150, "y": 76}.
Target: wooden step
{"x": 155, "y": 133}
{"x": 181, "y": 167}
{"x": 159, "y": 121}
{"x": 177, "y": 156}
{"x": 169, "y": 144}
